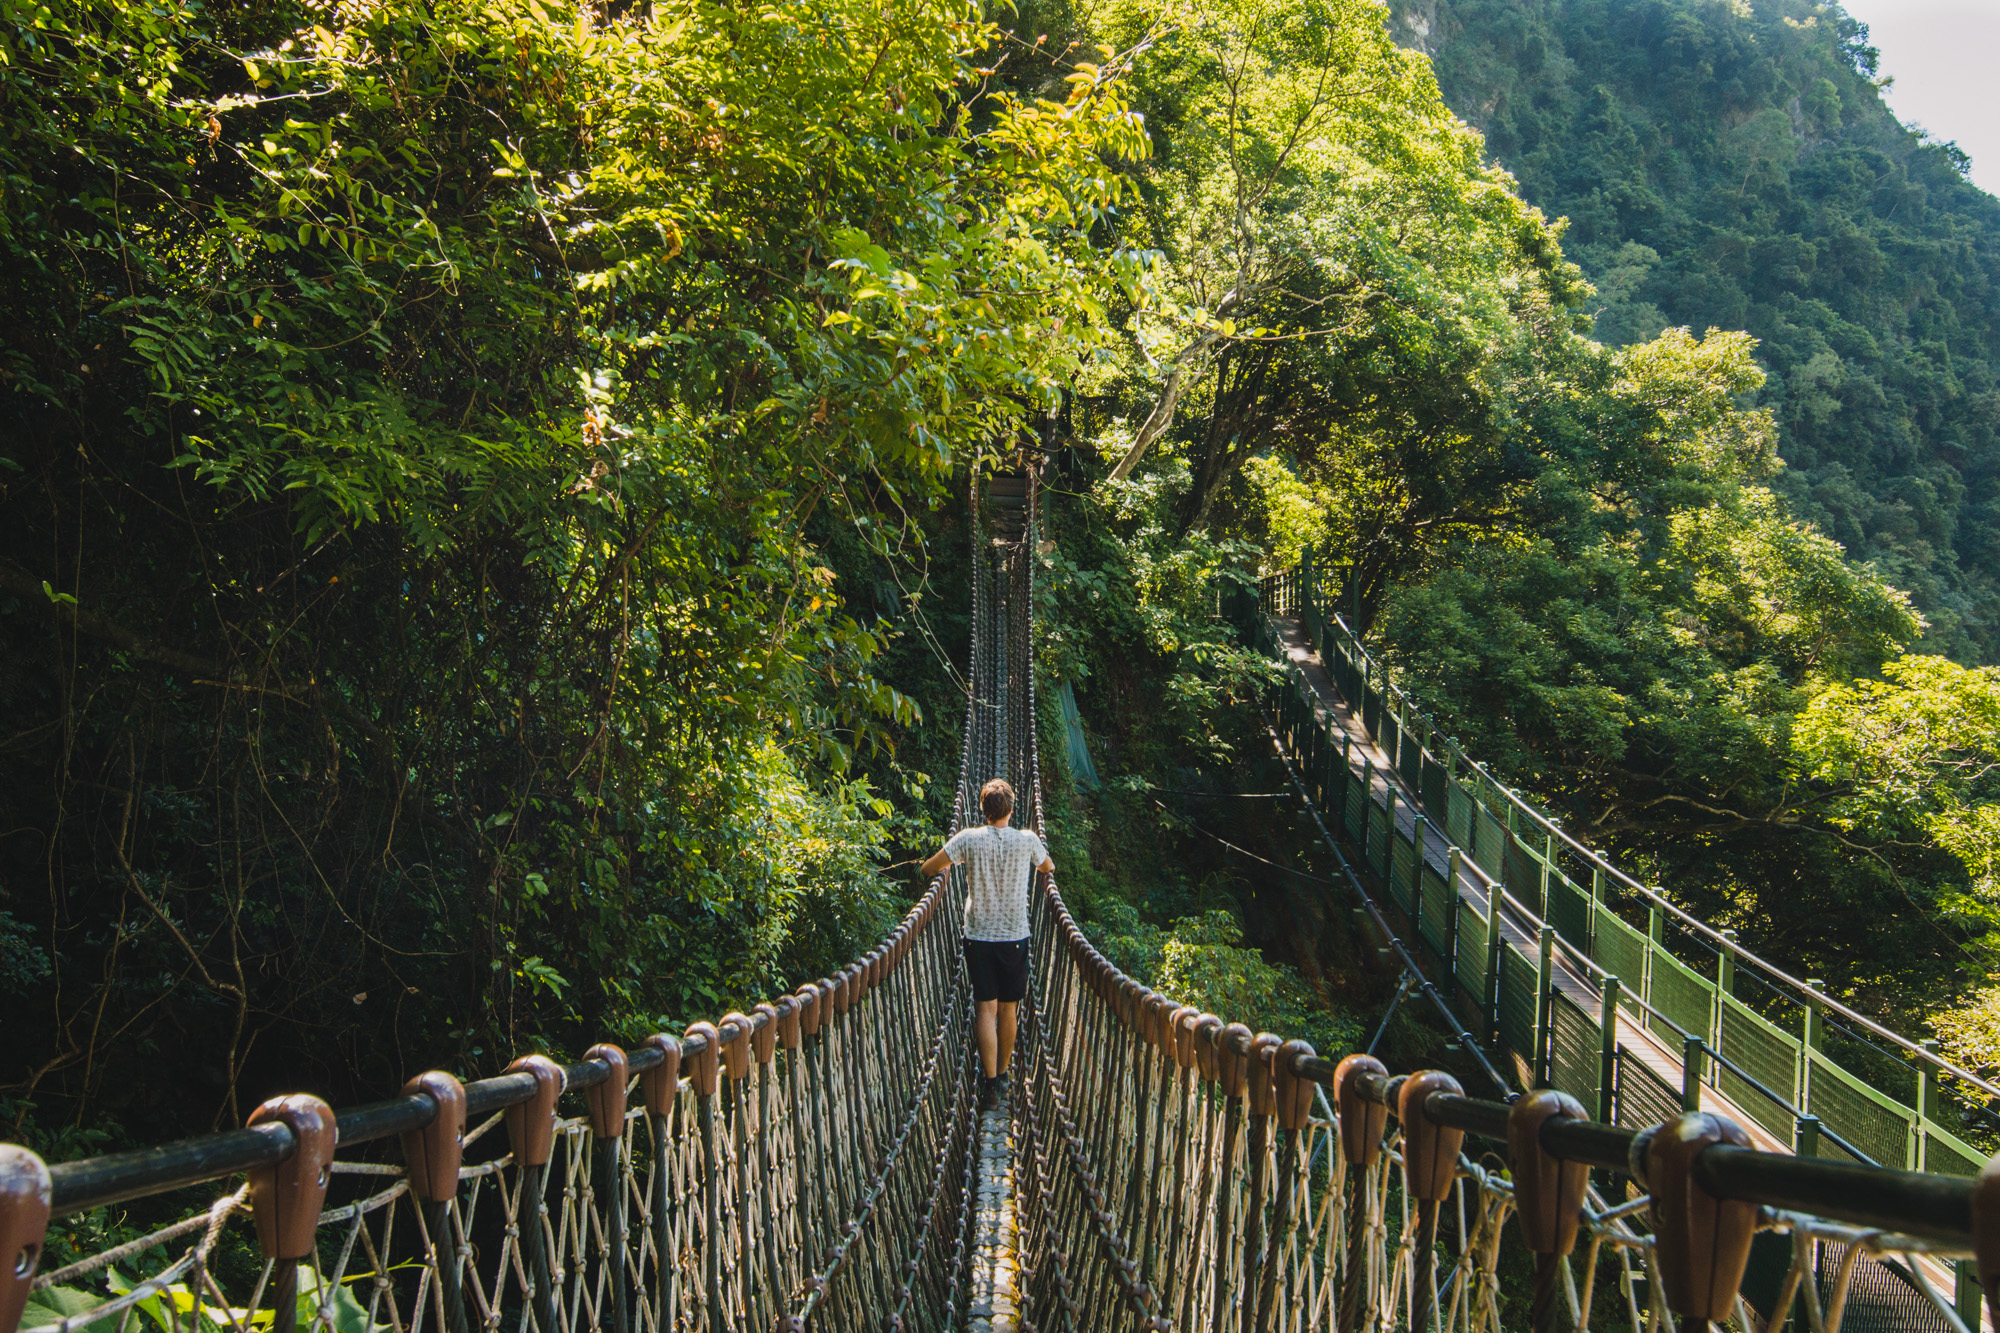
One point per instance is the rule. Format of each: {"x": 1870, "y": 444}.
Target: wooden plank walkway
{"x": 996, "y": 1295}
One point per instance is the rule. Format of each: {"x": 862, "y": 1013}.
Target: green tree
{"x": 429, "y": 426}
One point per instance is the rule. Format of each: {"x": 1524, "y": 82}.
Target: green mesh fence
{"x": 1767, "y": 1054}
{"x": 1488, "y": 842}
{"x": 1680, "y": 993}
{"x": 1644, "y": 1098}
{"x": 1437, "y": 910}
{"x": 1569, "y": 913}
{"x": 1354, "y": 805}
{"x": 1621, "y": 951}
{"x": 1458, "y": 814}
{"x": 1432, "y": 789}
{"x": 1410, "y": 763}
{"x": 1574, "y": 1051}
{"x": 1517, "y": 1001}
{"x": 1948, "y": 1155}
{"x": 1520, "y": 872}
{"x": 1472, "y": 959}
{"x": 1390, "y": 737}
{"x": 1864, "y": 1117}
{"x": 1402, "y": 866}
{"x": 1371, "y": 712}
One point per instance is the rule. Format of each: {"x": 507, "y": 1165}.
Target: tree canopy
{"x": 427, "y": 426}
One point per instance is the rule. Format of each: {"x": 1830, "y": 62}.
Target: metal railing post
{"x": 1607, "y": 1052}
{"x": 1451, "y": 915}
{"x": 1416, "y": 880}
{"x": 1656, "y": 931}
{"x": 1596, "y": 897}
{"x": 1927, "y": 1108}
{"x": 1327, "y": 775}
{"x": 1367, "y": 805}
{"x": 1346, "y": 776}
{"x": 1545, "y": 989}
{"x": 1493, "y": 955}
{"x": 1928, "y": 1102}
{"x": 1966, "y": 1291}
{"x": 1389, "y": 804}
{"x": 1548, "y": 866}
{"x": 1692, "y": 1053}
{"x": 1725, "y": 985}
{"x": 1815, "y": 1037}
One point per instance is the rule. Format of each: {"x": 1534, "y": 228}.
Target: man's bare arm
{"x": 934, "y": 867}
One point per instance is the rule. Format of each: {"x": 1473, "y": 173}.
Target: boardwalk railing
{"x": 1777, "y": 1047}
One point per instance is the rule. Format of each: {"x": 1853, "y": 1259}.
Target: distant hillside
{"x": 1732, "y": 163}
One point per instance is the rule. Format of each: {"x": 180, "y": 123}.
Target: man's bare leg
{"x": 985, "y": 1029}
{"x": 1006, "y": 1034}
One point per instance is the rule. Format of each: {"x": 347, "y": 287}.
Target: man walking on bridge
{"x": 998, "y": 861}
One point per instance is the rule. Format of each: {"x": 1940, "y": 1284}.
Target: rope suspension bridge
{"x": 1641, "y": 1133}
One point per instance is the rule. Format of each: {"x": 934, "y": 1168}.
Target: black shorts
{"x": 999, "y": 969}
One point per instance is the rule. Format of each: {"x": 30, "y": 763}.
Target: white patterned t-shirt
{"x": 997, "y": 864}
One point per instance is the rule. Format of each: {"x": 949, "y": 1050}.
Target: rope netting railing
{"x": 808, "y": 1163}
{"x": 1179, "y": 1171}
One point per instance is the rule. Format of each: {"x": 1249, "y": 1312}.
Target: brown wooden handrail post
{"x": 1361, "y": 1124}
{"x": 433, "y": 1156}
{"x": 1607, "y": 1052}
{"x": 1548, "y": 1195}
{"x": 531, "y": 1127}
{"x": 1231, "y": 1070}
{"x": 607, "y": 1135}
{"x": 705, "y": 1075}
{"x": 24, "y": 1225}
{"x": 286, "y": 1197}
{"x": 660, "y": 1087}
{"x": 1702, "y": 1243}
{"x": 1430, "y": 1165}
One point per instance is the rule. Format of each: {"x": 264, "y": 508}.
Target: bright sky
{"x": 1942, "y": 54}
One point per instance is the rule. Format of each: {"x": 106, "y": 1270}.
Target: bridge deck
{"x": 996, "y": 1295}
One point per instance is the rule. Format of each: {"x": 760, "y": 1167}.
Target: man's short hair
{"x": 996, "y": 800}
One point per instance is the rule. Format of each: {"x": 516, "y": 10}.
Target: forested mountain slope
{"x": 1732, "y": 164}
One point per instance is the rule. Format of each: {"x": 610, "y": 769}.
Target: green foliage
{"x": 178, "y": 1308}
{"x": 1734, "y": 165}
{"x": 1913, "y": 753}
{"x": 1202, "y": 961}
{"x": 454, "y": 449}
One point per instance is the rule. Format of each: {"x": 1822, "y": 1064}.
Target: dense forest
{"x": 485, "y": 484}
{"x": 1733, "y": 166}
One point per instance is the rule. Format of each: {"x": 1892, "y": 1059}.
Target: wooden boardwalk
{"x": 1573, "y": 982}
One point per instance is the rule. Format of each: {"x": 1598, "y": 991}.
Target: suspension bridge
{"x": 1643, "y": 1126}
